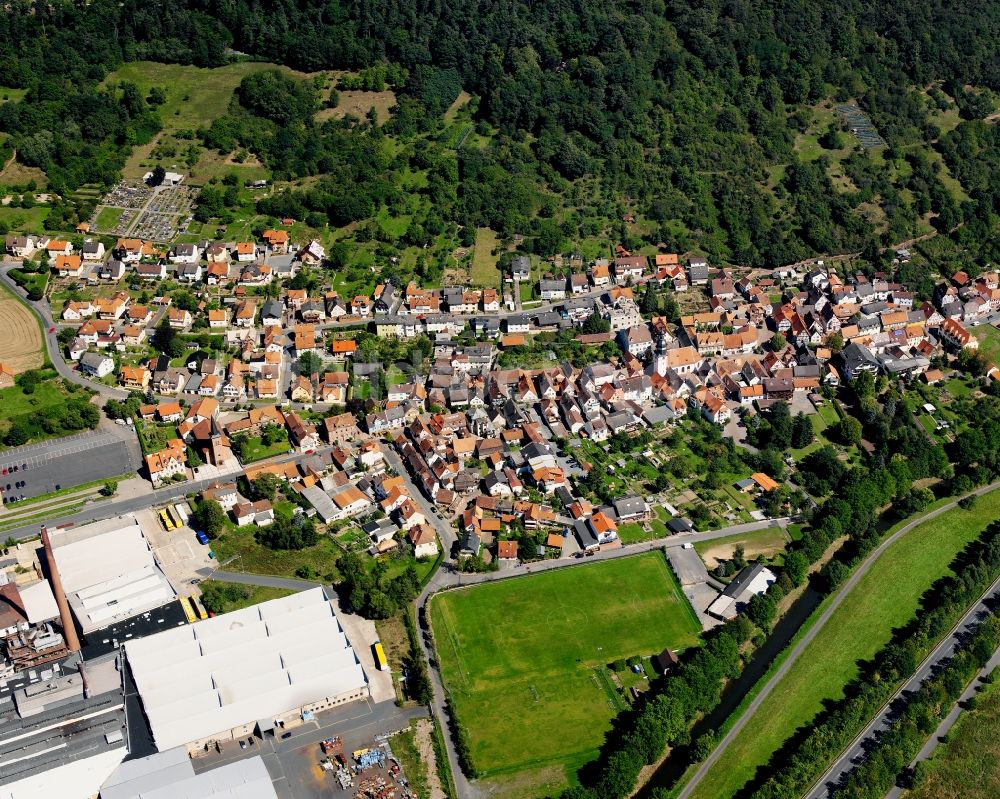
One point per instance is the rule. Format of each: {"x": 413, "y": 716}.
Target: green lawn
{"x": 958, "y": 387}
{"x": 484, "y": 271}
{"x": 885, "y": 598}
{"x": 524, "y": 659}
{"x": 257, "y": 450}
{"x": 968, "y": 766}
{"x": 989, "y": 342}
{"x": 108, "y": 218}
{"x": 630, "y": 533}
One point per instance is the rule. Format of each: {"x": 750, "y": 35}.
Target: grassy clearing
{"x": 8, "y": 95}
{"x": 523, "y": 658}
{"x": 768, "y": 541}
{"x": 17, "y": 174}
{"x": 252, "y": 558}
{"x": 243, "y": 596}
{"x": 359, "y": 103}
{"x": 885, "y": 598}
{"x": 108, "y": 218}
{"x": 27, "y": 220}
{"x": 196, "y": 96}
{"x": 16, "y": 407}
{"x": 968, "y": 766}
{"x": 484, "y": 270}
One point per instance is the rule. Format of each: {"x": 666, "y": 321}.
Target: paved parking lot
{"x": 180, "y": 555}
{"x": 64, "y": 463}
{"x": 688, "y": 565}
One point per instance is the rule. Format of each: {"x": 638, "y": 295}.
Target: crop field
{"x": 885, "y": 598}
{"x": 20, "y": 336}
{"x": 524, "y": 659}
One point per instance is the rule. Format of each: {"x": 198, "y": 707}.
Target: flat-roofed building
{"x": 108, "y": 572}
{"x": 170, "y": 774}
{"x": 225, "y": 677}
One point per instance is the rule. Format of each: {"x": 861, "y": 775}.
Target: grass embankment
{"x": 404, "y": 747}
{"x": 885, "y": 598}
{"x": 524, "y": 660}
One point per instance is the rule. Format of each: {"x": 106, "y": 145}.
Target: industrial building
{"x": 62, "y": 735}
{"x": 170, "y": 774}
{"x": 245, "y": 671}
{"x": 108, "y": 572}
{"x": 754, "y": 579}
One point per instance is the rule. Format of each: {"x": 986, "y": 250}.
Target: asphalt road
{"x": 854, "y": 755}
{"x": 259, "y": 579}
{"x": 949, "y": 721}
{"x": 168, "y": 493}
{"x": 444, "y": 530}
{"x": 41, "y": 308}
{"x": 806, "y": 639}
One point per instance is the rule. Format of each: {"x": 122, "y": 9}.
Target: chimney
{"x": 69, "y": 629}
{"x": 83, "y": 678}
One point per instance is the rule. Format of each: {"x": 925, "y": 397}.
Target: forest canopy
{"x": 689, "y": 109}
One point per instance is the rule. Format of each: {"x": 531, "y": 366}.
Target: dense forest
{"x": 687, "y": 111}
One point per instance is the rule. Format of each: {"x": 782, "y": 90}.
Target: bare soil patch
{"x": 424, "y": 737}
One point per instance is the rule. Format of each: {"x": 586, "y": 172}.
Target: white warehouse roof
{"x": 170, "y": 775}
{"x": 108, "y": 572}
{"x": 204, "y": 679}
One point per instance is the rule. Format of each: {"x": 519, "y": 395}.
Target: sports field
{"x": 524, "y": 658}
{"x": 885, "y": 598}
